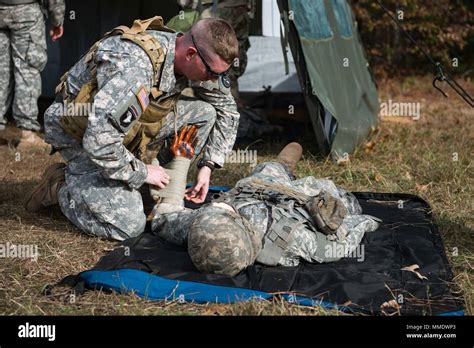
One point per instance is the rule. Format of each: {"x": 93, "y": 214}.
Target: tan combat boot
{"x": 45, "y": 194}
{"x": 9, "y": 135}
{"x": 3, "y": 135}
{"x": 290, "y": 155}
{"x": 30, "y": 139}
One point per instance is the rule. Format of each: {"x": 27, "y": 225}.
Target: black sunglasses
{"x": 209, "y": 71}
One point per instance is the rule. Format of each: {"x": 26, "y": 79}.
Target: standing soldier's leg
{"x": 28, "y": 43}
{"x": 6, "y": 78}
{"x": 239, "y": 19}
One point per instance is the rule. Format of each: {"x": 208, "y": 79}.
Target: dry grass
{"x": 414, "y": 157}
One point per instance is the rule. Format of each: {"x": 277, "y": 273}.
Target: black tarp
{"x": 407, "y": 236}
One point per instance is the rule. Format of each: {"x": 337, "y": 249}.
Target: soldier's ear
{"x": 190, "y": 53}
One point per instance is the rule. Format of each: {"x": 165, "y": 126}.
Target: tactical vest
{"x": 147, "y": 126}
{"x": 286, "y": 214}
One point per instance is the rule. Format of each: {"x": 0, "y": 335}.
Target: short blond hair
{"x": 218, "y": 36}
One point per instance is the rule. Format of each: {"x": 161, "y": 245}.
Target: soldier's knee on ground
{"x": 104, "y": 208}
{"x": 139, "y": 229}
{"x": 129, "y": 226}
{"x": 116, "y": 232}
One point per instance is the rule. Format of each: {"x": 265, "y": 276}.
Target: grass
{"x": 430, "y": 157}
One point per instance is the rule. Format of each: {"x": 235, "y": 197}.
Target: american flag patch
{"x": 143, "y": 98}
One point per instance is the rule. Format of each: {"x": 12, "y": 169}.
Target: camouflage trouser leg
{"x": 23, "y": 43}
{"x": 6, "y": 80}
{"x": 307, "y": 244}
{"x": 102, "y": 207}
{"x": 274, "y": 172}
{"x": 240, "y": 21}
{"x": 190, "y": 111}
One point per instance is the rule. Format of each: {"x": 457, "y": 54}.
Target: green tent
{"x": 339, "y": 90}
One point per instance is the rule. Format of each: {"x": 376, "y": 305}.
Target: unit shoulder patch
{"x": 129, "y": 116}
{"x": 130, "y": 108}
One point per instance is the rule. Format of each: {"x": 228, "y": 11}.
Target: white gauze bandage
{"x": 173, "y": 193}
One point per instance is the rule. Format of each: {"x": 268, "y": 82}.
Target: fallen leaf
{"x": 422, "y": 188}
{"x": 214, "y": 310}
{"x": 369, "y": 145}
{"x": 390, "y": 304}
{"x": 413, "y": 268}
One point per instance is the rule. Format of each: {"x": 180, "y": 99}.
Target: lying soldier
{"x": 268, "y": 217}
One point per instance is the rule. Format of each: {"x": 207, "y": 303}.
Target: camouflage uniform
{"x": 236, "y": 12}
{"x": 307, "y": 243}
{"x": 23, "y": 57}
{"x": 101, "y": 194}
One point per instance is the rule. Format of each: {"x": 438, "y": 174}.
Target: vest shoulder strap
{"x": 137, "y": 34}
{"x": 152, "y": 48}
{"x": 154, "y": 23}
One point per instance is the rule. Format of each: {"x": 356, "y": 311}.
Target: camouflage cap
{"x": 222, "y": 242}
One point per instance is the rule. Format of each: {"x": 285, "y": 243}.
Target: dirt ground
{"x": 430, "y": 157}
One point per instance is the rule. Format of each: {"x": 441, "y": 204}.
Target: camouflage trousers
{"x": 22, "y": 58}
{"x": 110, "y": 208}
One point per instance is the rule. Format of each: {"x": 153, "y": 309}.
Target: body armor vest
{"x": 286, "y": 214}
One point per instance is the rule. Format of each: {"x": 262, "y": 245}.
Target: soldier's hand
{"x": 197, "y": 194}
{"x": 157, "y": 176}
{"x": 184, "y": 143}
{"x": 56, "y": 32}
